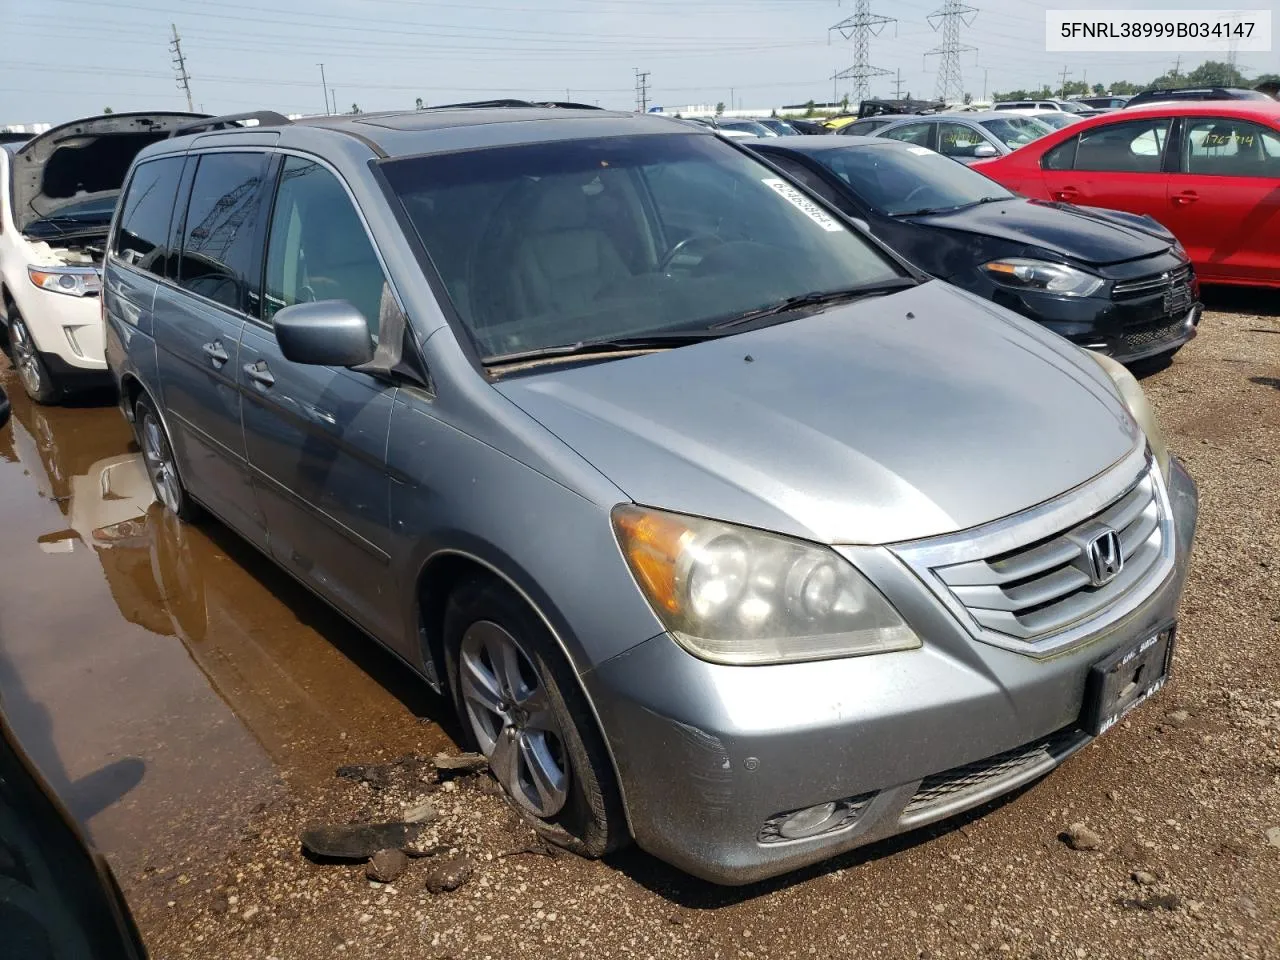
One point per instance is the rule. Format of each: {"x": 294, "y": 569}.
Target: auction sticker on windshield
{"x": 803, "y": 204}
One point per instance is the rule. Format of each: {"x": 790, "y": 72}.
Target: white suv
{"x": 58, "y": 192}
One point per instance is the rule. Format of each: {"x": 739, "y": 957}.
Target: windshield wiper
{"x": 644, "y": 341}
{"x": 926, "y": 211}
{"x": 817, "y": 299}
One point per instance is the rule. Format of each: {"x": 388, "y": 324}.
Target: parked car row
{"x": 725, "y": 486}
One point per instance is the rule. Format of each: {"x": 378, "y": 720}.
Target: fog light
{"x": 806, "y": 823}
{"x": 814, "y": 821}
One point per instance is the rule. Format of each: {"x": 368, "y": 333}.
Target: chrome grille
{"x": 1152, "y": 283}
{"x": 1026, "y": 583}
{"x": 951, "y": 791}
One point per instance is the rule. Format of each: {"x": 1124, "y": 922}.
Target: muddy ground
{"x": 193, "y": 705}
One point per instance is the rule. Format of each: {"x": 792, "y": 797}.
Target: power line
{"x": 950, "y": 17}
{"x": 180, "y": 64}
{"x": 1063, "y": 86}
{"x": 860, "y": 28}
{"x": 642, "y": 91}
{"x": 897, "y": 86}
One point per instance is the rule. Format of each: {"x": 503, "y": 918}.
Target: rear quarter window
{"x": 145, "y": 211}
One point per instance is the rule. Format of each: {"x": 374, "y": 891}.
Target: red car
{"x": 1209, "y": 171}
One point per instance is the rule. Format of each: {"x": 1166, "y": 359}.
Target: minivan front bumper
{"x": 709, "y": 756}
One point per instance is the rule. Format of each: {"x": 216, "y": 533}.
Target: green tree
{"x": 355, "y": 108}
{"x": 719, "y": 108}
{"x": 968, "y": 99}
{"x": 107, "y": 110}
{"x": 844, "y": 103}
{"x": 1074, "y": 87}
{"x": 1123, "y": 88}
{"x": 418, "y": 104}
{"x": 1099, "y": 89}
{"x": 810, "y": 108}
{"x": 1214, "y": 73}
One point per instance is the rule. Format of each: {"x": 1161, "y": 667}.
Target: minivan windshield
{"x": 574, "y": 241}
{"x": 899, "y": 180}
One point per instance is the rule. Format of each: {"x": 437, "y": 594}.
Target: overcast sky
{"x": 70, "y": 58}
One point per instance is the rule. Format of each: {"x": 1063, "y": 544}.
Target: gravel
{"x": 1185, "y": 791}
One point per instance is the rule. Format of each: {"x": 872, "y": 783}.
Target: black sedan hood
{"x": 1084, "y": 234}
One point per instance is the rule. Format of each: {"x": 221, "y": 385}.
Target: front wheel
{"x": 519, "y": 707}
{"x": 162, "y": 467}
{"x": 36, "y": 380}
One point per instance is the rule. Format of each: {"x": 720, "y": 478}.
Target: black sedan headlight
{"x": 1042, "y": 276}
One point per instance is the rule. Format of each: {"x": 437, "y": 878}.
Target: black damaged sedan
{"x": 1110, "y": 281}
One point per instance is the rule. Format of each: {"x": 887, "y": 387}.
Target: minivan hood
{"x": 1085, "y": 234}
{"x": 82, "y": 159}
{"x": 890, "y": 419}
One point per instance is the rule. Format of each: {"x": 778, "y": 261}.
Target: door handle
{"x": 216, "y": 352}
{"x": 1184, "y": 198}
{"x": 259, "y": 373}
{"x": 1066, "y": 195}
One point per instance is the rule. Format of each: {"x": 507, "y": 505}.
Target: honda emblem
{"x": 1105, "y": 557}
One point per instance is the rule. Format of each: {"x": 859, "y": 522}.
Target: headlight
{"x": 73, "y": 281}
{"x": 740, "y": 596}
{"x": 1044, "y": 276}
{"x": 1136, "y": 401}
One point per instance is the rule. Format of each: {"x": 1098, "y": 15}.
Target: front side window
{"x": 899, "y": 181}
{"x": 219, "y": 243}
{"x": 573, "y": 241}
{"x": 318, "y": 248}
{"x": 1135, "y": 146}
{"x": 1226, "y": 147}
{"x": 143, "y": 231}
{"x": 959, "y": 140}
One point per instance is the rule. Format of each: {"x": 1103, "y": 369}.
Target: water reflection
{"x": 134, "y": 646}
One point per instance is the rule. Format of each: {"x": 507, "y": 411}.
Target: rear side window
{"x": 144, "y": 215}
{"x": 220, "y": 258}
{"x": 917, "y": 133}
{"x": 1061, "y": 157}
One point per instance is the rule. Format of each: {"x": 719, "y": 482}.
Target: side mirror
{"x": 984, "y": 150}
{"x": 327, "y": 333}
{"x": 4, "y": 407}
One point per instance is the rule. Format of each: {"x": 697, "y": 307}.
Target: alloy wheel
{"x": 511, "y": 717}
{"x": 25, "y": 357}
{"x": 158, "y": 456}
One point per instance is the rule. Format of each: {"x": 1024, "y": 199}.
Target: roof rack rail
{"x": 264, "y": 118}
{"x": 511, "y": 103}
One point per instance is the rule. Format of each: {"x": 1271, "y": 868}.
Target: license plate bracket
{"x": 1177, "y": 298}
{"x": 1126, "y": 679}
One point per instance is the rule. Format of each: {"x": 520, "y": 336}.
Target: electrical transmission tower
{"x": 180, "y": 64}
{"x": 860, "y": 28}
{"x": 642, "y": 91}
{"x": 949, "y": 19}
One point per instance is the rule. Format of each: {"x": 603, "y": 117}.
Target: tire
{"x": 545, "y": 718}
{"x": 32, "y": 372}
{"x": 162, "y": 466}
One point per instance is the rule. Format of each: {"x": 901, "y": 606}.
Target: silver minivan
{"x": 726, "y": 530}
